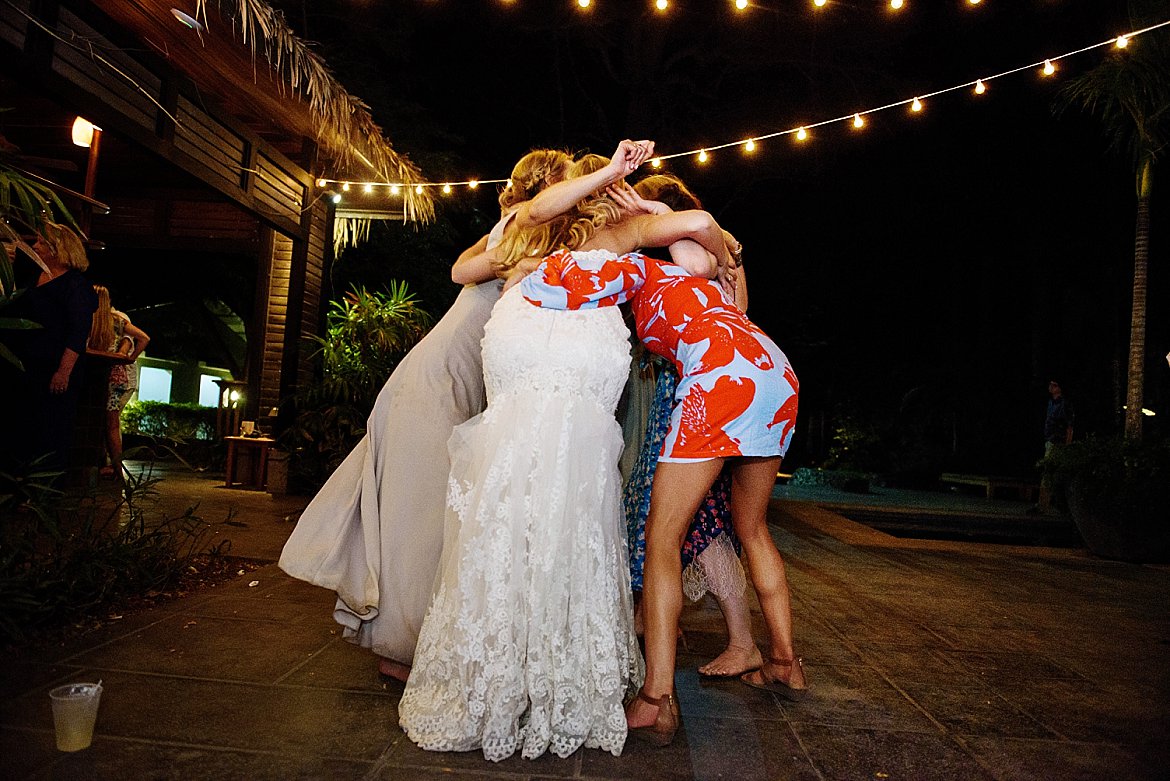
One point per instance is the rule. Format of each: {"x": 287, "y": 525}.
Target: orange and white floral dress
{"x": 738, "y": 392}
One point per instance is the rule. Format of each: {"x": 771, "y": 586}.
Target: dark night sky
{"x": 928, "y": 273}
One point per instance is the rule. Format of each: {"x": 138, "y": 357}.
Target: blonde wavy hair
{"x": 668, "y": 189}
{"x": 532, "y": 173}
{"x": 566, "y": 231}
{"x": 101, "y": 329}
{"x": 66, "y": 244}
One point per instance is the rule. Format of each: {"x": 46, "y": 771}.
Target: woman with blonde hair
{"x": 529, "y": 643}
{"x": 62, "y": 302}
{"x": 113, "y": 332}
{"x": 374, "y": 531}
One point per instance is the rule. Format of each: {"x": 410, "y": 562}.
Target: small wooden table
{"x": 255, "y": 451}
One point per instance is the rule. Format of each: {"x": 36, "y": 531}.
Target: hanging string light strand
{"x": 979, "y": 85}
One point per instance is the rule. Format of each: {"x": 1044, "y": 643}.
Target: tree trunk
{"x": 1137, "y": 328}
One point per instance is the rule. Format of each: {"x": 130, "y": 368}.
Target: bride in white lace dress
{"x": 529, "y": 643}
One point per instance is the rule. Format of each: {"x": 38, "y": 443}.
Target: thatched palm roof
{"x": 345, "y": 127}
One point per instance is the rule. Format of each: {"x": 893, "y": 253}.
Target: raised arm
{"x": 562, "y": 196}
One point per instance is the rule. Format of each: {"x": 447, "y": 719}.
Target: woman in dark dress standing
{"x": 45, "y": 393}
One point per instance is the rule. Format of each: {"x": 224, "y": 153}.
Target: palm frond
{"x": 345, "y": 127}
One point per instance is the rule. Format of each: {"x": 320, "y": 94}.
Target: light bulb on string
{"x": 980, "y": 87}
{"x": 583, "y": 3}
{"x": 1049, "y": 68}
{"x": 368, "y": 188}
{"x": 446, "y": 189}
{"x": 916, "y": 105}
{"x": 336, "y": 197}
{"x": 661, "y": 5}
{"x": 1122, "y": 41}
{"x": 740, "y": 5}
{"x": 896, "y": 4}
{"x": 656, "y": 162}
{"x": 749, "y": 145}
{"x": 702, "y": 155}
{"x": 321, "y": 182}
{"x": 395, "y": 189}
{"x": 801, "y": 134}
{"x": 345, "y": 187}
{"x": 819, "y": 3}
{"x": 973, "y": 2}
{"x": 473, "y": 184}
{"x": 418, "y": 189}
{"x": 858, "y": 122}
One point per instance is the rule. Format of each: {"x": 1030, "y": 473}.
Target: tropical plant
{"x": 25, "y": 204}
{"x": 65, "y": 556}
{"x": 366, "y": 335}
{"x": 1129, "y": 92}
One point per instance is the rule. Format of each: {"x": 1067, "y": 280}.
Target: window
{"x": 208, "y": 390}
{"x": 154, "y": 384}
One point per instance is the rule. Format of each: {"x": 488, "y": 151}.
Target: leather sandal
{"x": 662, "y": 731}
{"x": 778, "y": 687}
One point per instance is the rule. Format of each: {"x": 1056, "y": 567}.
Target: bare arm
{"x": 59, "y": 382}
{"x": 141, "y": 339}
{"x": 472, "y": 265}
{"x": 562, "y": 196}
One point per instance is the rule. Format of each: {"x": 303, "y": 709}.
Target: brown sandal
{"x": 662, "y": 731}
{"x": 778, "y": 687}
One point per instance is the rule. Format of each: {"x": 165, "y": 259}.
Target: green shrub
{"x": 1118, "y": 477}
{"x": 67, "y": 555}
{"x": 178, "y": 422}
{"x": 366, "y": 335}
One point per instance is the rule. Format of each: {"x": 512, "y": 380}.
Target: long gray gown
{"x": 374, "y": 532}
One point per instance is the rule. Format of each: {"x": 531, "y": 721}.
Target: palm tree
{"x": 1130, "y": 93}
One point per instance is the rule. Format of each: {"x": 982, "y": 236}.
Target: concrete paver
{"x": 930, "y": 659}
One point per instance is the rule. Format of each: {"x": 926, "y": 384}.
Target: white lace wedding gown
{"x": 529, "y": 643}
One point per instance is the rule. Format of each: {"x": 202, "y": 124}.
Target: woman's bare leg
{"x": 741, "y": 654}
{"x": 752, "y": 480}
{"x": 678, "y": 489}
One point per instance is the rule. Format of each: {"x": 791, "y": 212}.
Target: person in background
{"x": 61, "y": 301}
{"x": 1058, "y": 431}
{"x": 112, "y": 332}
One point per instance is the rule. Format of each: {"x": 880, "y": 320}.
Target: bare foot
{"x": 392, "y": 669}
{"x": 733, "y": 662}
{"x": 789, "y": 674}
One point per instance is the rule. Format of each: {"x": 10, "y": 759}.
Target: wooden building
{"x": 216, "y": 122}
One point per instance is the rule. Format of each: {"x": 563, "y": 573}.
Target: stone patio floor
{"x": 928, "y": 660}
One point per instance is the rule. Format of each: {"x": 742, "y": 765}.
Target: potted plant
{"x": 1116, "y": 493}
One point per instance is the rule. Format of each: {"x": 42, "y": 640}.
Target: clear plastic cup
{"x": 75, "y": 707}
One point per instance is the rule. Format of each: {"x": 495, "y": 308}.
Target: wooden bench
{"x": 1026, "y": 490}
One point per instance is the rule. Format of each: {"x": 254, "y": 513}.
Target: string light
{"x": 661, "y": 5}
{"x": 446, "y": 189}
{"x": 896, "y": 4}
{"x": 369, "y": 188}
{"x": 740, "y": 5}
{"x": 803, "y": 132}
{"x": 819, "y": 3}
{"x": 583, "y": 3}
{"x": 973, "y": 2}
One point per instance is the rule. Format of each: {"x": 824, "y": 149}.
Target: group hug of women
{"x": 485, "y": 554}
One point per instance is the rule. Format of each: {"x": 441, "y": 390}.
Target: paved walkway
{"x": 929, "y": 660}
